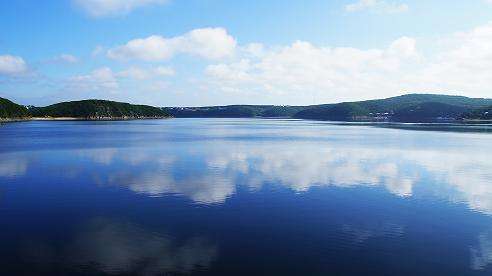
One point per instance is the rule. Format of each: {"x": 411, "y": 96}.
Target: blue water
{"x": 244, "y": 197}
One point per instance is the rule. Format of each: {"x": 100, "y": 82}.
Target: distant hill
{"x": 234, "y": 111}
{"x": 10, "y": 110}
{"x": 98, "y": 110}
{"x": 406, "y": 108}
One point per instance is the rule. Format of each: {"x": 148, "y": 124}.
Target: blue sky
{"x": 210, "y": 52}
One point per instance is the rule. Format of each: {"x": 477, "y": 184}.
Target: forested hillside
{"x": 98, "y": 109}
{"x": 12, "y": 110}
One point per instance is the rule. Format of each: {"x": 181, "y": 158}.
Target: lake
{"x": 244, "y": 197}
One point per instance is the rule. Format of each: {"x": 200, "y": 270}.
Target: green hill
{"x": 406, "y": 108}
{"x": 10, "y": 110}
{"x": 98, "y": 109}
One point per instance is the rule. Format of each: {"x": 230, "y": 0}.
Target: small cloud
{"x": 380, "y": 6}
{"x": 97, "y": 51}
{"x": 12, "y": 65}
{"x": 164, "y": 71}
{"x": 101, "y": 79}
{"x": 102, "y": 8}
{"x": 142, "y": 73}
{"x": 104, "y": 79}
{"x": 66, "y": 58}
{"x": 208, "y": 43}
{"x": 134, "y": 73}
{"x": 158, "y": 86}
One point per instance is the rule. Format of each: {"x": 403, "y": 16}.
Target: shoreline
{"x": 95, "y": 119}
{"x": 12, "y": 120}
{"x": 478, "y": 121}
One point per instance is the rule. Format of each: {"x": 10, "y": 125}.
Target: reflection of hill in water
{"x": 477, "y": 128}
{"x": 448, "y": 127}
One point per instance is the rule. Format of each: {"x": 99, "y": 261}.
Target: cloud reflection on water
{"x": 115, "y": 247}
{"x": 481, "y": 254}
{"x": 12, "y": 165}
{"x": 216, "y": 172}
{"x": 361, "y": 233}
{"x": 209, "y": 175}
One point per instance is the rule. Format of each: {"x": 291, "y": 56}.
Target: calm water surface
{"x": 243, "y": 197}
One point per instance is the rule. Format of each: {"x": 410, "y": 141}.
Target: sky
{"x": 219, "y": 52}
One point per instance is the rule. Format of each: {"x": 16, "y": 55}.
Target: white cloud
{"x": 101, "y": 79}
{"x": 305, "y": 73}
{"x": 209, "y": 43}
{"x": 254, "y": 49}
{"x": 157, "y": 86}
{"x": 303, "y": 68}
{"x": 12, "y": 65}
{"x": 138, "y": 73}
{"x": 66, "y": 58}
{"x": 134, "y": 73}
{"x": 404, "y": 47}
{"x": 97, "y": 51}
{"x": 164, "y": 71}
{"x": 104, "y": 79}
{"x": 462, "y": 63}
{"x": 100, "y": 8}
{"x": 378, "y": 6}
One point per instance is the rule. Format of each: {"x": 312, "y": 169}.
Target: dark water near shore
{"x": 244, "y": 197}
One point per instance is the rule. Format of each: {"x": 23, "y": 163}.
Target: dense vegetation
{"x": 335, "y": 112}
{"x": 428, "y": 111}
{"x": 98, "y": 109}
{"x": 11, "y": 110}
{"x": 484, "y": 113}
{"x": 234, "y": 111}
{"x": 406, "y": 108}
